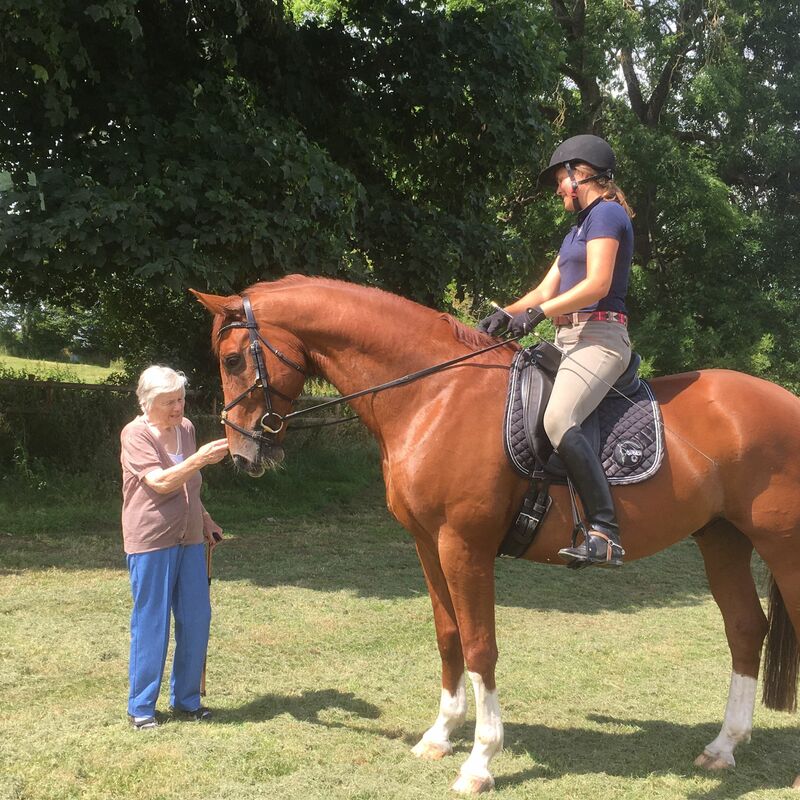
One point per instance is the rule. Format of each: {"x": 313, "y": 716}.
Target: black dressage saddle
{"x": 625, "y": 430}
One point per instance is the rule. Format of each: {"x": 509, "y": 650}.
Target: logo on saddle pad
{"x": 628, "y": 453}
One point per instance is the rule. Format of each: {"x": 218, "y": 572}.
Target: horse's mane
{"x": 469, "y": 336}
{"x": 462, "y": 333}
{"x": 334, "y": 283}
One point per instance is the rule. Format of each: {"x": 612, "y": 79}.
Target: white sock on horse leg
{"x": 452, "y": 711}
{"x": 488, "y": 735}
{"x": 738, "y": 722}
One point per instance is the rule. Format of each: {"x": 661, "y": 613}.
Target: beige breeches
{"x": 598, "y": 353}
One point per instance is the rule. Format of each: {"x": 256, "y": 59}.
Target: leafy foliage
{"x": 152, "y": 146}
{"x": 155, "y": 146}
{"x": 700, "y": 101}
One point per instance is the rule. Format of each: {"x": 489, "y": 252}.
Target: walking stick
{"x": 209, "y": 553}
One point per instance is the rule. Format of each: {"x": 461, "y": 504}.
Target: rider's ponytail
{"x": 607, "y": 186}
{"x": 612, "y": 192}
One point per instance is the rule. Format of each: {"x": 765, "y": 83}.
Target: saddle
{"x": 625, "y": 431}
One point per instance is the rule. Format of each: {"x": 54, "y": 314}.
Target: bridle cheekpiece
{"x": 271, "y": 423}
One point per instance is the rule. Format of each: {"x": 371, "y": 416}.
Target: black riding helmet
{"x": 584, "y": 148}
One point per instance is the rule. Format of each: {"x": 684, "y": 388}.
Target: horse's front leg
{"x": 435, "y": 742}
{"x": 470, "y": 579}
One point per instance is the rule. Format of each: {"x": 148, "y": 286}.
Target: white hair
{"x": 158, "y": 380}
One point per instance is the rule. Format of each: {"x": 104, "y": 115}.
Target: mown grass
{"x": 55, "y": 370}
{"x": 323, "y": 670}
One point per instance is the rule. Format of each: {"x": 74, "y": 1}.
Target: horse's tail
{"x": 781, "y": 655}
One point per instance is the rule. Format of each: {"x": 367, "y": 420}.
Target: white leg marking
{"x": 736, "y": 727}
{"x": 435, "y": 742}
{"x": 474, "y": 775}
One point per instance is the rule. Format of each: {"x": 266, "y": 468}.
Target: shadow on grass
{"x": 652, "y": 747}
{"x": 371, "y": 555}
{"x": 356, "y": 546}
{"x": 321, "y": 524}
{"x": 305, "y": 707}
{"x": 644, "y": 749}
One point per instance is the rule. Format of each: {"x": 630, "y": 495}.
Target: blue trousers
{"x": 163, "y": 582}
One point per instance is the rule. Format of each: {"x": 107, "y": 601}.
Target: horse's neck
{"x": 359, "y": 337}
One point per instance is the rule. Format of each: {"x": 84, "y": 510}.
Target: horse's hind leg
{"x": 435, "y": 742}
{"x": 727, "y": 553}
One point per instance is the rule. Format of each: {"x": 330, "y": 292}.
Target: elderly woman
{"x": 164, "y": 527}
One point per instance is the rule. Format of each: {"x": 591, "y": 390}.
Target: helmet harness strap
{"x": 576, "y": 204}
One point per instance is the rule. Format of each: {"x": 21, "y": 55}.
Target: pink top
{"x": 150, "y": 520}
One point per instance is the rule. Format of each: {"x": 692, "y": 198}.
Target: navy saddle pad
{"x": 626, "y": 429}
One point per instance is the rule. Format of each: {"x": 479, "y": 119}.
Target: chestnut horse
{"x": 730, "y": 477}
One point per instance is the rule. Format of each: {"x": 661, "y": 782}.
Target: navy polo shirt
{"x": 603, "y": 219}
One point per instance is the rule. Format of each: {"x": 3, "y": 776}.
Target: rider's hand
{"x": 495, "y": 323}
{"x": 525, "y": 321}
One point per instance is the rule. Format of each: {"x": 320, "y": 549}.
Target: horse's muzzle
{"x": 269, "y": 457}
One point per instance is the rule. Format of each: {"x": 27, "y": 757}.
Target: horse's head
{"x": 263, "y": 368}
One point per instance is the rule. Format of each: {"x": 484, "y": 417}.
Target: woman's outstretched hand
{"x": 212, "y": 452}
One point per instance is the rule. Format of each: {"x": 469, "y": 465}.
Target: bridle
{"x": 271, "y": 422}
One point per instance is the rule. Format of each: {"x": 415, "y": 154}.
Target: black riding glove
{"x": 495, "y": 323}
{"x": 525, "y": 321}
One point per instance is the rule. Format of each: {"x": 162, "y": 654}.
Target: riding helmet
{"x": 587, "y": 148}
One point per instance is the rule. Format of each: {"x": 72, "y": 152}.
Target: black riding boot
{"x": 601, "y": 545}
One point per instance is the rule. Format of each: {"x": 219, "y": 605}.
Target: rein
{"x": 271, "y": 422}
{"x": 413, "y": 376}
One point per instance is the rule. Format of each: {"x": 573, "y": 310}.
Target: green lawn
{"x": 323, "y": 669}
{"x": 55, "y": 370}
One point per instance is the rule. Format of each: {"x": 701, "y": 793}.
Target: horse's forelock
{"x": 220, "y": 320}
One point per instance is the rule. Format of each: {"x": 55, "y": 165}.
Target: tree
{"x": 176, "y": 144}
{"x": 700, "y": 101}
{"x": 154, "y": 146}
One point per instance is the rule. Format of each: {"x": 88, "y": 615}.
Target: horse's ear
{"x": 216, "y": 304}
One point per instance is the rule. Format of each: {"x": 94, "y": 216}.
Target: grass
{"x": 323, "y": 669}
{"x": 55, "y": 370}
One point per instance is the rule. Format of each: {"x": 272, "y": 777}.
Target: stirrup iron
{"x": 579, "y": 556}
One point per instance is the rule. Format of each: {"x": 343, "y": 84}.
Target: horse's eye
{"x": 233, "y": 361}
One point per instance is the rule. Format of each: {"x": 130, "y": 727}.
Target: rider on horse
{"x": 583, "y": 293}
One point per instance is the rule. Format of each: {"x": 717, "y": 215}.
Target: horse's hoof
{"x": 714, "y": 762}
{"x": 796, "y": 784}
{"x": 473, "y": 784}
{"x": 431, "y": 751}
